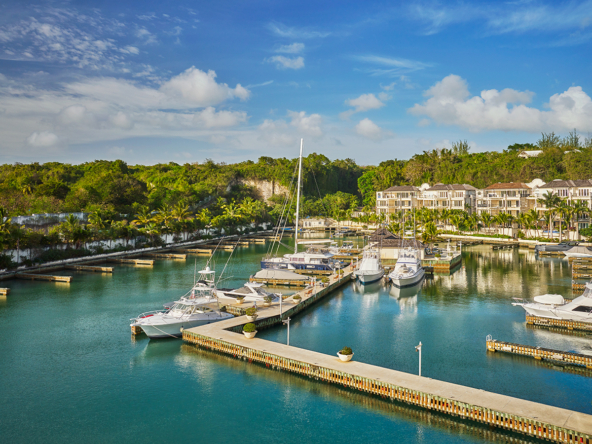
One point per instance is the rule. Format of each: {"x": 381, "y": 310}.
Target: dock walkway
{"x": 517, "y": 415}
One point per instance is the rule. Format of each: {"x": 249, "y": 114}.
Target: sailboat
{"x": 303, "y": 260}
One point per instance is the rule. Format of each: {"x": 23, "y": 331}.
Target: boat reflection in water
{"x": 407, "y": 297}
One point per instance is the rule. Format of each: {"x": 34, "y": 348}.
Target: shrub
{"x": 251, "y": 311}
{"x": 267, "y": 298}
{"x": 521, "y": 235}
{"x": 296, "y": 296}
{"x": 438, "y": 255}
{"x": 240, "y": 298}
{"x": 250, "y": 327}
{"x": 346, "y": 351}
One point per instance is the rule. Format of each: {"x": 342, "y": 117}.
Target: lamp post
{"x": 418, "y": 349}
{"x": 287, "y": 322}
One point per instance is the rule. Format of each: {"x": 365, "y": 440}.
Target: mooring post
{"x": 418, "y": 349}
{"x": 287, "y": 322}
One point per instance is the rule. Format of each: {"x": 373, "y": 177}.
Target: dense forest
{"x": 329, "y": 187}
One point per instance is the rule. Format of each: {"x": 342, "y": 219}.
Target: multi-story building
{"x": 398, "y": 198}
{"x": 452, "y": 197}
{"x": 570, "y": 190}
{"x": 511, "y": 197}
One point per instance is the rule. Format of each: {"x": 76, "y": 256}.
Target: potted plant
{"x": 251, "y": 313}
{"x": 239, "y": 299}
{"x": 345, "y": 354}
{"x": 249, "y": 330}
{"x": 267, "y": 300}
{"x": 297, "y": 298}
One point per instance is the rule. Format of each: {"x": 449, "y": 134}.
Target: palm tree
{"x": 549, "y": 201}
{"x": 565, "y": 212}
{"x": 456, "y": 220}
{"x": 5, "y": 223}
{"x": 533, "y": 218}
{"x": 487, "y": 219}
{"x": 429, "y": 233}
{"x": 144, "y": 217}
{"x": 580, "y": 209}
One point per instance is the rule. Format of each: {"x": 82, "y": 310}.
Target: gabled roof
{"x": 452, "y": 187}
{"x": 385, "y": 239}
{"x": 507, "y": 186}
{"x": 558, "y": 183}
{"x": 402, "y": 188}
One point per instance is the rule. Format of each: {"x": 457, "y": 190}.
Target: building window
{"x": 562, "y": 193}
{"x": 443, "y": 194}
{"x": 584, "y": 192}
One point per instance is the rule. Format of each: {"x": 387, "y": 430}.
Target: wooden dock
{"x": 197, "y": 251}
{"x": 280, "y": 282}
{"x": 560, "y": 323}
{"x": 166, "y": 256}
{"x": 500, "y": 411}
{"x": 89, "y": 268}
{"x": 4, "y": 291}
{"x": 43, "y": 277}
{"x": 313, "y": 272}
{"x": 148, "y": 262}
{"x": 539, "y": 353}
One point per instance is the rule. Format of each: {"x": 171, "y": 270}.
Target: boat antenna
{"x": 298, "y": 200}
{"x": 195, "y": 273}
{"x": 226, "y": 264}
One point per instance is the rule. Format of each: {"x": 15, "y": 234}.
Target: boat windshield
{"x": 190, "y": 309}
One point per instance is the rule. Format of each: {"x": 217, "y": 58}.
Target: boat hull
{"x": 368, "y": 278}
{"x": 577, "y": 255}
{"x": 294, "y": 266}
{"x": 173, "y": 329}
{"x": 402, "y": 282}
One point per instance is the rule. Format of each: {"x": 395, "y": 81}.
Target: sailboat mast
{"x": 298, "y": 200}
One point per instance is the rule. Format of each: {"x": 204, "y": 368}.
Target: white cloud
{"x": 209, "y": 118}
{"x": 122, "y": 120}
{"x": 393, "y": 66}
{"x": 388, "y": 87}
{"x": 294, "y": 33}
{"x": 275, "y": 133}
{"x": 449, "y": 102}
{"x": 363, "y": 103}
{"x": 310, "y": 125}
{"x": 282, "y": 62}
{"x": 73, "y": 114}
{"x": 293, "y": 48}
{"x": 367, "y": 128}
{"x": 201, "y": 89}
{"x": 42, "y": 139}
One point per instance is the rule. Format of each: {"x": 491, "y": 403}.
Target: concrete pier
{"x": 166, "y": 256}
{"x": 562, "y": 323}
{"x": 89, "y": 268}
{"x": 148, "y": 262}
{"x": 517, "y": 415}
{"x": 43, "y": 277}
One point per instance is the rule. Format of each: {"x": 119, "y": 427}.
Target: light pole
{"x": 287, "y": 322}
{"x": 418, "y": 349}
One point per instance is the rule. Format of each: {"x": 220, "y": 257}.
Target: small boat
{"x": 553, "y": 306}
{"x": 561, "y": 246}
{"x": 198, "y": 307}
{"x": 408, "y": 270}
{"x": 370, "y": 267}
{"x": 578, "y": 251}
{"x": 250, "y": 292}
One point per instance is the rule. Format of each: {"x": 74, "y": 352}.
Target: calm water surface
{"x": 70, "y": 370}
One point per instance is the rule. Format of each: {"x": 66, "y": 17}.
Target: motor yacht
{"x": 199, "y": 306}
{"x": 578, "y": 252}
{"x": 250, "y": 292}
{"x": 303, "y": 260}
{"x": 408, "y": 270}
{"x": 561, "y": 246}
{"x": 553, "y": 306}
{"x": 370, "y": 267}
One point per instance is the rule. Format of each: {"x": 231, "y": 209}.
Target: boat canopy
{"x": 550, "y": 299}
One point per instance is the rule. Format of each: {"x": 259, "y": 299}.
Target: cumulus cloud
{"x": 364, "y": 103}
{"x": 42, "y": 139}
{"x": 367, "y": 128}
{"x": 72, "y": 114}
{"x": 283, "y": 62}
{"x": 122, "y": 120}
{"x": 281, "y": 133}
{"x": 449, "y": 102}
{"x": 309, "y": 125}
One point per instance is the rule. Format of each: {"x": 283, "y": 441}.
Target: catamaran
{"x": 199, "y": 306}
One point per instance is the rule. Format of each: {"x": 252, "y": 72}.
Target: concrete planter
{"x": 250, "y": 334}
{"x": 239, "y": 301}
{"x": 345, "y": 358}
{"x": 251, "y": 318}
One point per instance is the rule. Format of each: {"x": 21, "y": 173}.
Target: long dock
{"x": 44, "y": 277}
{"x": 516, "y": 415}
{"x": 149, "y": 262}
{"x": 539, "y": 353}
{"x": 89, "y": 268}
{"x": 561, "y": 323}
{"x": 4, "y": 291}
{"x": 166, "y": 256}
{"x": 196, "y": 251}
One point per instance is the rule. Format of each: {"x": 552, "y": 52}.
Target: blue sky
{"x": 152, "y": 82}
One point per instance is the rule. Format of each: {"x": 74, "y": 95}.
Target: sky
{"x": 156, "y": 82}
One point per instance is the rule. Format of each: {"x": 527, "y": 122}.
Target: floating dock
{"x": 43, "y": 277}
{"x": 4, "y": 291}
{"x": 166, "y": 256}
{"x": 561, "y": 323}
{"x": 197, "y": 251}
{"x": 148, "y": 262}
{"x": 280, "y": 282}
{"x": 89, "y": 268}
{"x": 539, "y": 353}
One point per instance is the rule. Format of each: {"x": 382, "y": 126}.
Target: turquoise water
{"x": 71, "y": 371}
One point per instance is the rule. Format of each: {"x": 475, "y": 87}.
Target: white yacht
{"x": 553, "y": 306}
{"x": 578, "y": 251}
{"x": 370, "y": 268}
{"x": 199, "y": 306}
{"x": 251, "y": 292}
{"x": 408, "y": 270}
